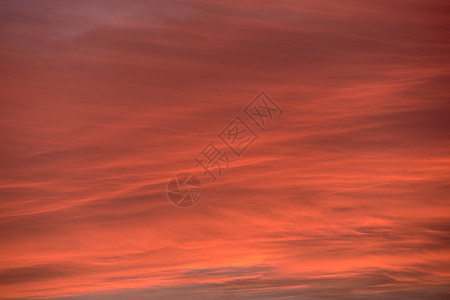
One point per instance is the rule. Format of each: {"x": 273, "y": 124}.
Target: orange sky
{"x": 345, "y": 196}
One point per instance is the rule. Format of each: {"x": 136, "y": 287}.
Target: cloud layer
{"x": 345, "y": 195}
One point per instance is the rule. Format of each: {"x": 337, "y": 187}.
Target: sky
{"x": 342, "y": 194}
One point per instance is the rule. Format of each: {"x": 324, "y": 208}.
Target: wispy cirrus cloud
{"x": 345, "y": 196}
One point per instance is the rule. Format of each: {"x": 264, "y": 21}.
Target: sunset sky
{"x": 345, "y": 195}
